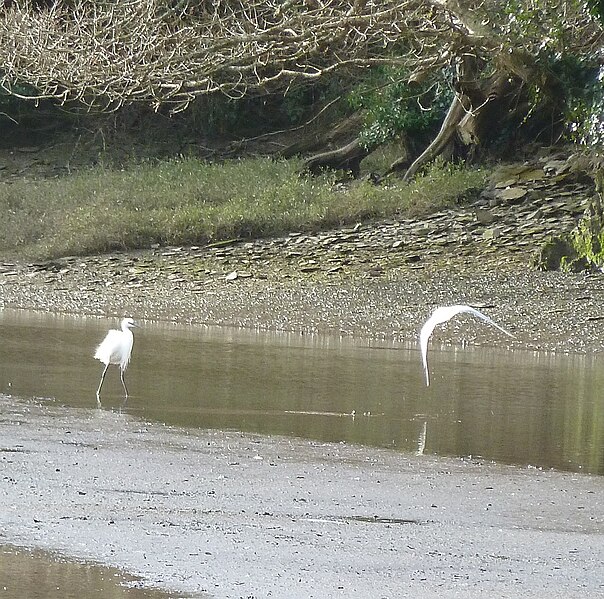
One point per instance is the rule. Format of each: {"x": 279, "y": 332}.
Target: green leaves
{"x": 395, "y": 106}
{"x": 597, "y": 9}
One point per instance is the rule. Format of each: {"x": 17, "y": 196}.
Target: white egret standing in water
{"x": 116, "y": 349}
{"x": 441, "y": 315}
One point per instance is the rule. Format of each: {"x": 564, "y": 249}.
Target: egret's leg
{"x": 98, "y": 391}
{"x": 123, "y": 382}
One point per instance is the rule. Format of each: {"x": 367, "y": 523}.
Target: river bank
{"x": 375, "y": 280}
{"x": 228, "y": 515}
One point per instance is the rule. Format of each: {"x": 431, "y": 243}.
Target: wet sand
{"x": 226, "y": 515}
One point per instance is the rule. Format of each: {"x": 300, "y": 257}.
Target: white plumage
{"x": 116, "y": 348}
{"x": 441, "y": 315}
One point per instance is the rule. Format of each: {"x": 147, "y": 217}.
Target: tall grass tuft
{"x": 188, "y": 201}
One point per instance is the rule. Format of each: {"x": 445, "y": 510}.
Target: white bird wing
{"x": 424, "y": 337}
{"x": 109, "y": 350}
{"x": 441, "y": 315}
{"x": 484, "y": 317}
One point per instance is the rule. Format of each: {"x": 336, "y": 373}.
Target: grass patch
{"x": 188, "y": 201}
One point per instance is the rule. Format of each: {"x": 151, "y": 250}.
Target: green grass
{"x": 188, "y": 201}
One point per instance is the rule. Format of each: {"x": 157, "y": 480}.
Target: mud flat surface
{"x": 221, "y": 514}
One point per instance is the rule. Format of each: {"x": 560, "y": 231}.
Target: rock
{"x": 551, "y": 255}
{"x": 484, "y": 217}
{"x": 532, "y": 175}
{"x": 512, "y": 194}
{"x": 555, "y": 167}
{"x": 491, "y": 233}
{"x": 506, "y": 183}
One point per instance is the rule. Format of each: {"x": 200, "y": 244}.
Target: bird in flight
{"x": 443, "y": 314}
{"x": 116, "y": 349}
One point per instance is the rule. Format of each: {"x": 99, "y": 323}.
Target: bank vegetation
{"x": 324, "y": 84}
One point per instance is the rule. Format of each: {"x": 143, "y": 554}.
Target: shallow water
{"x": 527, "y": 408}
{"x": 36, "y": 575}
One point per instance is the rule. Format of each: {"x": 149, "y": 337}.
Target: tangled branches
{"x": 110, "y": 52}
{"x": 159, "y": 51}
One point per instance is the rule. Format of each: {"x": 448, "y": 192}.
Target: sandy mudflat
{"x": 221, "y": 514}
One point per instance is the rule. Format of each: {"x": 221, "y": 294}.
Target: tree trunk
{"x": 337, "y": 148}
{"x": 317, "y": 139}
{"x": 346, "y": 158}
{"x": 483, "y": 124}
{"x": 467, "y": 93}
{"x": 441, "y": 141}
{"x": 475, "y": 119}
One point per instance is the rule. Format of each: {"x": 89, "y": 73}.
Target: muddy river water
{"x": 527, "y": 408}
{"x": 533, "y": 409}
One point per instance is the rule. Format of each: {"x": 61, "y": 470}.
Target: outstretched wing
{"x": 440, "y": 315}
{"x": 484, "y": 317}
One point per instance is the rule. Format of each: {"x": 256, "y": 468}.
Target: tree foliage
{"x": 159, "y": 51}
{"x": 504, "y": 67}
{"x": 393, "y": 105}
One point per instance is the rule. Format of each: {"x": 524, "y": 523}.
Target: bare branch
{"x": 112, "y": 52}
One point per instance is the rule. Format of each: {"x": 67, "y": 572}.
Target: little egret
{"x": 116, "y": 349}
{"x": 441, "y": 315}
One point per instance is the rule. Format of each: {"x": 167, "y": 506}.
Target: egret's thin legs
{"x": 116, "y": 349}
{"x": 123, "y": 382}
{"x": 98, "y": 391}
